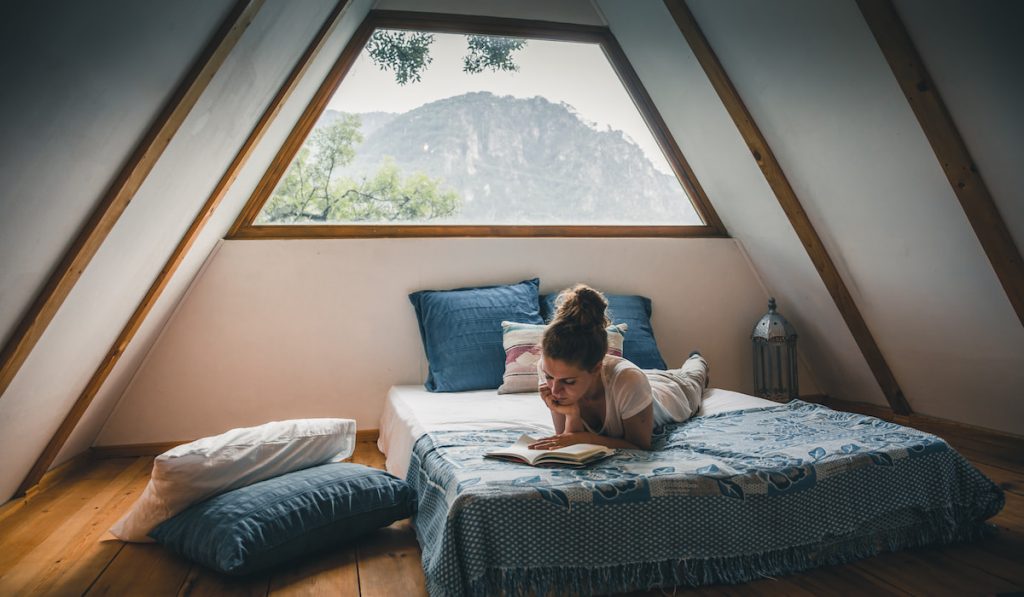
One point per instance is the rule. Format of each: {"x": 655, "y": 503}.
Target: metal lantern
{"x": 775, "y": 357}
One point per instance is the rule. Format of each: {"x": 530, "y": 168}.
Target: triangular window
{"x": 489, "y": 127}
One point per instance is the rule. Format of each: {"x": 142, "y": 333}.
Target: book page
{"x": 574, "y": 454}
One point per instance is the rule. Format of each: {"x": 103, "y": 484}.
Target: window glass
{"x": 453, "y": 129}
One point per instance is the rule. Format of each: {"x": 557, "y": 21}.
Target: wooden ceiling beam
{"x": 949, "y": 147}
{"x": 78, "y": 410}
{"x": 790, "y": 203}
{"x": 128, "y": 181}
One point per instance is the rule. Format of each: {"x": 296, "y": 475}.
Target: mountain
{"x": 507, "y": 155}
{"x": 371, "y": 120}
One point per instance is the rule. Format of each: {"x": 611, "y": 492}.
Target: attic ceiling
{"x": 811, "y": 75}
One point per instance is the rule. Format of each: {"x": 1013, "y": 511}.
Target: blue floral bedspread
{"x": 725, "y": 498}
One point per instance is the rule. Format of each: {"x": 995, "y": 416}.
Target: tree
{"x": 387, "y": 196}
{"x": 494, "y": 53}
{"x": 313, "y": 191}
{"x": 407, "y": 53}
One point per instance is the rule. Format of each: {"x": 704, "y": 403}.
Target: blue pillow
{"x": 639, "y": 346}
{"x": 279, "y": 519}
{"x": 461, "y": 332}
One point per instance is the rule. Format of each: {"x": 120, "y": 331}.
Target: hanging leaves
{"x": 407, "y": 53}
{"x": 493, "y": 53}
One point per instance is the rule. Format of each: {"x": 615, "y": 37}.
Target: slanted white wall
{"x": 111, "y": 287}
{"x": 323, "y": 328}
{"x": 737, "y": 189}
{"x": 816, "y": 83}
{"x": 74, "y": 105}
{"x": 89, "y": 80}
{"x": 284, "y": 329}
{"x": 255, "y": 72}
{"x": 973, "y": 51}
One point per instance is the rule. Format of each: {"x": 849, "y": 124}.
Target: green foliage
{"x": 388, "y": 197}
{"x": 407, "y": 53}
{"x": 494, "y": 53}
{"x": 312, "y": 191}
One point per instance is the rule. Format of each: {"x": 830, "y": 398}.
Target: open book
{"x": 574, "y": 455}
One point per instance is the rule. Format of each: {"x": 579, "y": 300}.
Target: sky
{"x": 575, "y": 73}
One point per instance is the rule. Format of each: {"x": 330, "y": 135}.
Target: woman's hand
{"x": 564, "y": 439}
{"x": 568, "y": 410}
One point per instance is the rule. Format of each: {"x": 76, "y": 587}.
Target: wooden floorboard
{"x": 1010, "y": 481}
{"x": 70, "y": 560}
{"x": 842, "y": 580}
{"x": 201, "y": 582}
{"x": 52, "y": 545}
{"x": 389, "y": 563}
{"x": 44, "y": 516}
{"x": 929, "y": 572}
{"x": 334, "y": 573}
{"x": 142, "y": 569}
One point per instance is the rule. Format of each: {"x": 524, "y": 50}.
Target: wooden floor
{"x": 53, "y": 544}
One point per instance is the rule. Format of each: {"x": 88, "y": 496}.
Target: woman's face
{"x": 568, "y": 383}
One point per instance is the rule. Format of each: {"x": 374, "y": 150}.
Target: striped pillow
{"x": 522, "y": 352}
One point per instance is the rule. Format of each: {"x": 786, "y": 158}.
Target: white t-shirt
{"x": 627, "y": 391}
{"x": 626, "y": 394}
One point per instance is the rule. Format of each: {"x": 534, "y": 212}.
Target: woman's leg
{"x": 680, "y": 391}
{"x": 695, "y": 370}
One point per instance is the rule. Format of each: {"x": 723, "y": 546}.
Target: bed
{"x": 746, "y": 489}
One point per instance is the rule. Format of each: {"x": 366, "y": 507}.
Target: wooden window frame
{"x": 246, "y": 228}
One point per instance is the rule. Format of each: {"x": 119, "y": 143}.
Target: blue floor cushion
{"x": 271, "y": 522}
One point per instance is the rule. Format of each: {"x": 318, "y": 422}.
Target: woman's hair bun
{"x": 583, "y": 306}
{"x": 577, "y": 333}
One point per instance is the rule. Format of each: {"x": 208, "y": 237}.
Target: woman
{"x": 596, "y": 398}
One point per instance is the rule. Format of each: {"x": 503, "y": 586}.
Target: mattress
{"x": 412, "y": 411}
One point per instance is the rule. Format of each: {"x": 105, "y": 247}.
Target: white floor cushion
{"x": 210, "y": 466}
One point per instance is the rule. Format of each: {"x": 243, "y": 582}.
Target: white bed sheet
{"x": 411, "y": 411}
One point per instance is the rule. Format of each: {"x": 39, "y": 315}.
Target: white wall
{"x": 255, "y": 71}
{"x": 73, "y": 107}
{"x": 111, "y": 287}
{"x": 739, "y": 193}
{"x": 294, "y": 34}
{"x": 284, "y": 329}
{"x": 280, "y": 35}
{"x": 75, "y": 103}
{"x": 973, "y": 52}
{"x": 723, "y": 166}
{"x": 816, "y": 83}
{"x": 88, "y": 81}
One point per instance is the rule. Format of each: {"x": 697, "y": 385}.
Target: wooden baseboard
{"x": 59, "y": 472}
{"x": 135, "y": 450}
{"x": 367, "y": 435}
{"x": 11, "y": 507}
{"x": 155, "y": 449}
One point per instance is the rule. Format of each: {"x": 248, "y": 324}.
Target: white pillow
{"x": 210, "y": 466}
{"x": 521, "y": 342}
